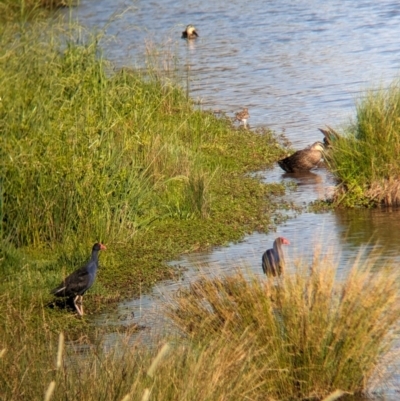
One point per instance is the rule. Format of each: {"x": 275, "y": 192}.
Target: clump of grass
{"x": 365, "y": 159}
{"x": 89, "y": 155}
{"x": 310, "y": 334}
{"x": 123, "y": 157}
{"x": 128, "y": 371}
{"x": 21, "y": 10}
{"x": 304, "y": 337}
{"x": 37, "y": 363}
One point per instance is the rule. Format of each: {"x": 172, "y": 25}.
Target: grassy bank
{"x": 365, "y": 159}
{"x": 302, "y": 338}
{"x": 24, "y": 10}
{"x": 90, "y": 153}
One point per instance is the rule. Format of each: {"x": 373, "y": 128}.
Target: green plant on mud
{"x": 365, "y": 159}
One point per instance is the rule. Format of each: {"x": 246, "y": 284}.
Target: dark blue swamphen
{"x": 273, "y": 262}
{"x": 78, "y": 282}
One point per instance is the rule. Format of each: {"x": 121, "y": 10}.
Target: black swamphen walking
{"x": 78, "y": 282}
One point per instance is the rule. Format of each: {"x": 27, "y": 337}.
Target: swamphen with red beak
{"x": 273, "y": 262}
{"x": 78, "y": 282}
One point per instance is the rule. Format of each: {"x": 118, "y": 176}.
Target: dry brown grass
{"x": 385, "y": 192}
{"x": 311, "y": 333}
{"x": 308, "y": 335}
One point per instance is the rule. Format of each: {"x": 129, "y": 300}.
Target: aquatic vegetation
{"x": 365, "y": 158}
{"x": 311, "y": 332}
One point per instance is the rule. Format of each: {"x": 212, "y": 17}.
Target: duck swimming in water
{"x": 189, "y": 33}
{"x": 303, "y": 160}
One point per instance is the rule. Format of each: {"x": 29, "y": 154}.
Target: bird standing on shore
{"x": 273, "y": 262}
{"x": 242, "y": 116}
{"x": 303, "y": 160}
{"x": 78, "y": 282}
{"x": 189, "y": 33}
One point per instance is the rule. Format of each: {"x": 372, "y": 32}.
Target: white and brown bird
{"x": 273, "y": 262}
{"x": 242, "y": 116}
{"x": 303, "y": 160}
{"x": 78, "y": 282}
{"x": 189, "y": 33}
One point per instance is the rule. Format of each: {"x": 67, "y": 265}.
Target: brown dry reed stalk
{"x": 385, "y": 191}
{"x": 60, "y": 350}
{"x": 50, "y": 390}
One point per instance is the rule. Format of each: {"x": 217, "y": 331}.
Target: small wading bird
{"x": 189, "y": 33}
{"x": 78, "y": 282}
{"x": 242, "y": 116}
{"x": 273, "y": 262}
{"x": 303, "y": 160}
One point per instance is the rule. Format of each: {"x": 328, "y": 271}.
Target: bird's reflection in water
{"x": 304, "y": 177}
{"x": 314, "y": 182}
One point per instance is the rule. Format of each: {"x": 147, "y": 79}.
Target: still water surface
{"x": 297, "y": 65}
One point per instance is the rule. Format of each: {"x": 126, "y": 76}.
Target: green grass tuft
{"x": 365, "y": 159}
{"x": 28, "y": 10}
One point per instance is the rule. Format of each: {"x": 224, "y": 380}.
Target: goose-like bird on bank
{"x": 273, "y": 262}
{"x": 242, "y": 116}
{"x": 78, "y": 282}
{"x": 303, "y": 160}
{"x": 189, "y": 33}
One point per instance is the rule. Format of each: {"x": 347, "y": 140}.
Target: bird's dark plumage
{"x": 303, "y": 160}
{"x": 78, "y": 282}
{"x": 330, "y": 135}
{"x": 273, "y": 262}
